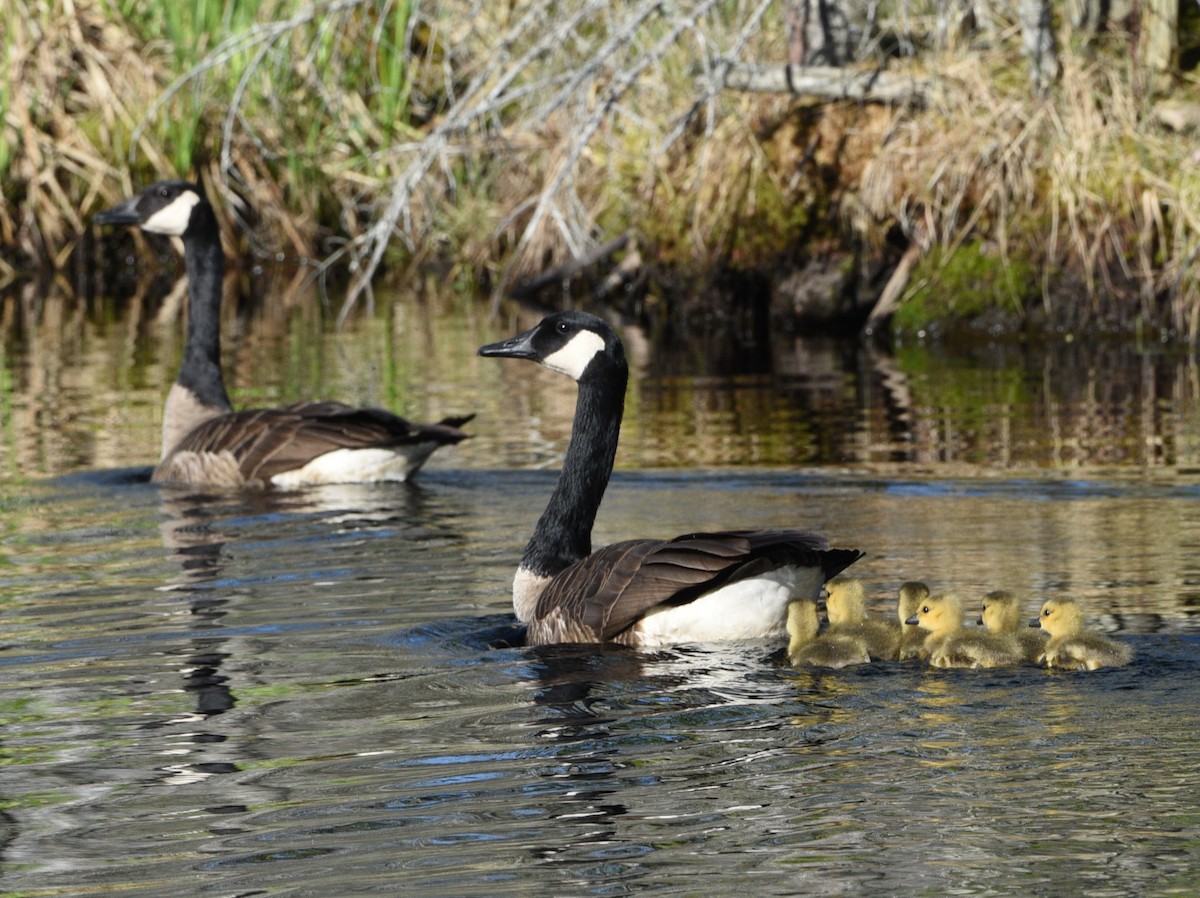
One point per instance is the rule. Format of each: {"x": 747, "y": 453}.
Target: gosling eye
{"x": 924, "y": 609}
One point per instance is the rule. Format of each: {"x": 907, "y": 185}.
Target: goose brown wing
{"x": 612, "y": 588}
{"x": 266, "y": 442}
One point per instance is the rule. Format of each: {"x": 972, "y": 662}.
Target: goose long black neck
{"x": 563, "y": 533}
{"x": 205, "y": 264}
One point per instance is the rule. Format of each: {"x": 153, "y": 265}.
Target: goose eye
{"x": 164, "y": 192}
{"x": 563, "y": 327}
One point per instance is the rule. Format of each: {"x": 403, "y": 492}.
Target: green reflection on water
{"x": 89, "y": 395}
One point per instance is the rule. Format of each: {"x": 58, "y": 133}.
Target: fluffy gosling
{"x": 912, "y": 637}
{"x": 805, "y": 647}
{"x": 1070, "y": 645}
{"x": 1001, "y": 616}
{"x": 846, "y": 607}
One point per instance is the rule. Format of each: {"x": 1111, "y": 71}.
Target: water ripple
{"x": 212, "y": 695}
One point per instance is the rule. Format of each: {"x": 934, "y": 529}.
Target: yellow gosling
{"x": 949, "y": 645}
{"x": 912, "y": 637}
{"x": 805, "y": 647}
{"x": 846, "y": 606}
{"x": 1071, "y": 646}
{"x": 1001, "y": 615}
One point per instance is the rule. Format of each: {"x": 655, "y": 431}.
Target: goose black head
{"x": 168, "y": 207}
{"x": 573, "y": 343}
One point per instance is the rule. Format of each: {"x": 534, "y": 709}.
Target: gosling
{"x": 1001, "y": 616}
{"x": 1071, "y": 646}
{"x": 949, "y": 645}
{"x": 912, "y": 637}
{"x": 846, "y": 607}
{"x": 805, "y": 647}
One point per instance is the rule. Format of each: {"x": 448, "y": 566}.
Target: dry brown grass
{"x": 78, "y": 80}
{"x": 1085, "y": 183}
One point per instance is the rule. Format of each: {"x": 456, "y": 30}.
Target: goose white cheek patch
{"x": 574, "y": 358}
{"x": 172, "y": 219}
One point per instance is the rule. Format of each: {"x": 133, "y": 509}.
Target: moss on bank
{"x": 967, "y": 283}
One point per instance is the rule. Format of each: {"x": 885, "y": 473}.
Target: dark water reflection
{"x": 322, "y": 693}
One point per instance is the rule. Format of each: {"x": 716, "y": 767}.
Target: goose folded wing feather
{"x": 617, "y": 585}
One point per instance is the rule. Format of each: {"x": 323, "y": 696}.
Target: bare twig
{"x": 569, "y": 269}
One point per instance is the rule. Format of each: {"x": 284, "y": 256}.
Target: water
{"x": 321, "y": 693}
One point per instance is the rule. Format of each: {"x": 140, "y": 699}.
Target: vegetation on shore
{"x": 497, "y": 141}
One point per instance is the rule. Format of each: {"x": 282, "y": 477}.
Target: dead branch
{"x": 553, "y": 84}
{"x": 889, "y": 299}
{"x": 569, "y": 269}
{"x": 827, "y": 83}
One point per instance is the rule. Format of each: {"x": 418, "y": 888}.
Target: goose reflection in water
{"x": 191, "y": 530}
{"x": 581, "y": 782}
{"x": 199, "y": 528}
{"x": 610, "y": 718}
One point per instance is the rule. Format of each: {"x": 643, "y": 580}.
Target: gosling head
{"x": 846, "y": 601}
{"x": 1001, "y": 612}
{"x": 938, "y": 614}
{"x": 912, "y": 594}
{"x": 802, "y": 623}
{"x": 1059, "y": 617}
{"x": 174, "y": 208}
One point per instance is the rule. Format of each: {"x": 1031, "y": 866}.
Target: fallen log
{"x": 828, "y": 83}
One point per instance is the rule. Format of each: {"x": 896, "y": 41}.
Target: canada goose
{"x": 204, "y": 440}
{"x": 827, "y": 650}
{"x": 700, "y": 587}
{"x": 1070, "y": 645}
{"x": 1001, "y": 615}
{"x": 912, "y": 637}
{"x": 949, "y": 645}
{"x": 846, "y": 606}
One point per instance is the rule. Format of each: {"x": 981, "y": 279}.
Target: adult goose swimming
{"x": 205, "y": 442}
{"x": 702, "y": 587}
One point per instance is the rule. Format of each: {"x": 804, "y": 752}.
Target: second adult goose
{"x": 701, "y": 587}
{"x": 205, "y": 442}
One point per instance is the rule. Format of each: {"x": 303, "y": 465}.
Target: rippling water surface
{"x": 322, "y": 693}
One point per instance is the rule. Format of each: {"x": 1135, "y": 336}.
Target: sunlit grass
{"x": 189, "y": 29}
{"x": 7, "y": 54}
